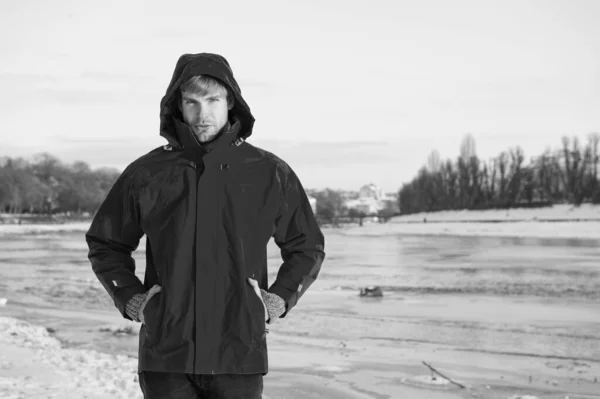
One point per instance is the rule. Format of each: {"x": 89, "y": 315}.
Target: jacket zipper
{"x": 214, "y": 317}
{"x": 193, "y": 165}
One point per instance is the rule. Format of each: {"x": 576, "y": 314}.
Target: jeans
{"x": 157, "y": 385}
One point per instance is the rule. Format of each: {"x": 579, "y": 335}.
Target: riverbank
{"x": 556, "y": 213}
{"x": 33, "y": 364}
{"x": 564, "y": 229}
{"x": 557, "y": 222}
{"x": 533, "y": 229}
{"x": 326, "y": 350}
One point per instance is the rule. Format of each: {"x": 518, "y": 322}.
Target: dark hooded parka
{"x": 207, "y": 217}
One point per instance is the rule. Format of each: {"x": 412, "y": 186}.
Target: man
{"x": 208, "y": 203}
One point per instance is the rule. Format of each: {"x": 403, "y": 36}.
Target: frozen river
{"x": 477, "y": 303}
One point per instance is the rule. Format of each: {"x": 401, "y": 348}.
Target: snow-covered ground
{"x": 563, "y": 230}
{"x": 557, "y": 212}
{"x": 561, "y": 221}
{"x": 43, "y": 228}
{"x": 33, "y": 365}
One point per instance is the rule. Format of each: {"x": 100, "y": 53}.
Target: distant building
{"x": 366, "y": 205}
{"x": 371, "y": 200}
{"x": 370, "y": 191}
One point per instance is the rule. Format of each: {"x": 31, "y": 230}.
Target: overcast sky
{"x": 347, "y": 92}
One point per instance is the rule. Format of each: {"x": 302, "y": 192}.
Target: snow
{"x": 561, "y": 221}
{"x": 557, "y": 212}
{"x": 428, "y": 380}
{"x": 10, "y": 229}
{"x": 562, "y": 230}
{"x": 33, "y": 364}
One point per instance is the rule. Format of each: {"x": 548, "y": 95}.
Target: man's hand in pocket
{"x": 274, "y": 305}
{"x": 154, "y": 290}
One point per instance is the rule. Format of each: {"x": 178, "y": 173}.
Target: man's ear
{"x": 230, "y": 102}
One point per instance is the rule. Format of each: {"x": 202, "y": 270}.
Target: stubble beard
{"x": 205, "y": 135}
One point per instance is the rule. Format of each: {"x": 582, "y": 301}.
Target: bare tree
{"x": 502, "y": 164}
{"x": 593, "y": 188}
{"x": 434, "y": 161}
{"x": 467, "y": 147}
{"x": 516, "y": 175}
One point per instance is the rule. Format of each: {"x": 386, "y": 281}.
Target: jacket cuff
{"x": 122, "y": 296}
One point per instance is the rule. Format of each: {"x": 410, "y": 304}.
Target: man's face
{"x": 205, "y": 114}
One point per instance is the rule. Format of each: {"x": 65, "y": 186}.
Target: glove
{"x": 135, "y": 306}
{"x": 274, "y": 305}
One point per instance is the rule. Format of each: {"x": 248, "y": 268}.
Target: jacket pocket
{"x": 258, "y": 309}
{"x": 152, "y": 319}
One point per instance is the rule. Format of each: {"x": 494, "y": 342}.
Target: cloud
{"x": 245, "y": 82}
{"x": 77, "y": 97}
{"x": 120, "y": 78}
{"x": 325, "y": 154}
{"x": 106, "y": 152}
{"x": 29, "y": 91}
{"x": 96, "y": 141}
{"x": 25, "y": 79}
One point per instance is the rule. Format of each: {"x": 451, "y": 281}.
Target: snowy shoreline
{"x": 33, "y": 363}
{"x": 556, "y": 213}
{"x": 559, "y": 221}
{"x": 565, "y": 230}
{"x": 71, "y": 227}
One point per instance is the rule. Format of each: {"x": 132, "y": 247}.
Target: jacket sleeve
{"x": 113, "y": 235}
{"x": 302, "y": 245}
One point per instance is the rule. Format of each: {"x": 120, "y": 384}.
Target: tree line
{"x": 45, "y": 185}
{"x": 568, "y": 174}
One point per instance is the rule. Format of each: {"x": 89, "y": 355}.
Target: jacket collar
{"x": 227, "y": 135}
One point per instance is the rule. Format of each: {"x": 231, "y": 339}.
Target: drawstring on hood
{"x": 215, "y": 66}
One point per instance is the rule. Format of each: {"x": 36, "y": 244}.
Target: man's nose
{"x": 201, "y": 112}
